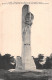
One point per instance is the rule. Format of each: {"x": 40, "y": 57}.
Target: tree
{"x": 6, "y": 61}
{"x": 38, "y": 61}
{"x": 48, "y": 63}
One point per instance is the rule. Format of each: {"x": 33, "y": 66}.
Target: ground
{"x": 28, "y": 75}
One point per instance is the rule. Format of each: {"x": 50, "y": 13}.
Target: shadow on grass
{"x": 6, "y": 75}
{"x": 25, "y": 76}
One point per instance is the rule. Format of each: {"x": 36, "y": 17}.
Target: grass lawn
{"x": 30, "y": 75}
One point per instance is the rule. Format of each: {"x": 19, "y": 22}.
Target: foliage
{"x": 6, "y": 62}
{"x": 46, "y": 65}
{"x": 38, "y": 60}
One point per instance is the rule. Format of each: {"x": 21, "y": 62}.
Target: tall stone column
{"x": 27, "y": 60}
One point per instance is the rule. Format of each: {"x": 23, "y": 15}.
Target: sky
{"x": 11, "y": 29}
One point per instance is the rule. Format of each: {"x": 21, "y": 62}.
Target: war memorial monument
{"x": 26, "y": 62}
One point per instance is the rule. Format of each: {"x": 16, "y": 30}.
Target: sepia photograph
{"x": 25, "y": 40}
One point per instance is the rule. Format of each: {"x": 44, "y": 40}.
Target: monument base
{"x": 25, "y": 65}
{"x": 29, "y": 64}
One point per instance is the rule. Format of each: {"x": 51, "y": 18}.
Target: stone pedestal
{"x": 18, "y": 63}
